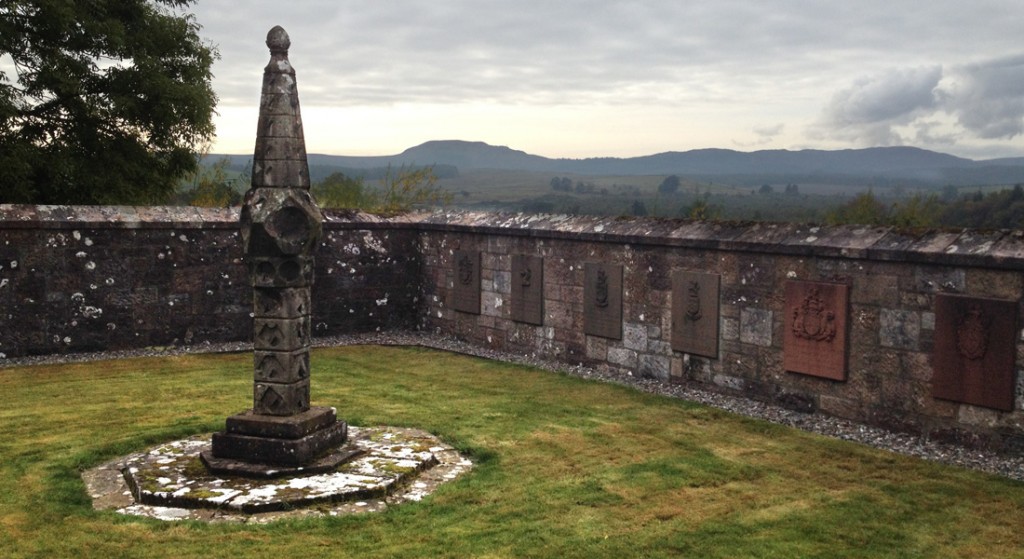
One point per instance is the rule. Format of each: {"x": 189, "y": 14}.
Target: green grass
{"x": 565, "y": 468}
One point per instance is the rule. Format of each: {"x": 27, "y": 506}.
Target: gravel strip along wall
{"x": 790, "y": 298}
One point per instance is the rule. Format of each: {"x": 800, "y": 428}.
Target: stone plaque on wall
{"x": 466, "y": 292}
{"x": 975, "y": 350}
{"x": 695, "y": 313}
{"x": 814, "y": 337}
{"x": 527, "y": 296}
{"x": 602, "y": 300}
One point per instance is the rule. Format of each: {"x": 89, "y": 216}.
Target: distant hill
{"x": 885, "y": 163}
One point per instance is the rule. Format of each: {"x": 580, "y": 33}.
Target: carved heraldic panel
{"x": 602, "y": 300}
{"x": 695, "y": 313}
{"x": 466, "y": 285}
{"x": 975, "y": 351}
{"x": 815, "y": 334}
{"x": 527, "y": 290}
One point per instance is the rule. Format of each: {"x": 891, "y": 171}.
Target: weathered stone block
{"x": 288, "y": 452}
{"x": 654, "y": 366}
{"x": 876, "y": 290}
{"x": 283, "y": 427}
{"x": 634, "y": 336}
{"x": 622, "y": 356}
{"x": 597, "y": 348}
{"x": 943, "y": 280}
{"x": 756, "y": 327}
{"x": 281, "y": 366}
{"x": 271, "y": 398}
{"x": 278, "y": 334}
{"x": 281, "y": 303}
{"x": 659, "y": 348}
{"x": 730, "y": 329}
{"x": 899, "y": 329}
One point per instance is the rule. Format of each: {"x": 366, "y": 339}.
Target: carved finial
{"x": 278, "y": 41}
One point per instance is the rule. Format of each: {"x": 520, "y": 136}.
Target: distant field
{"x": 624, "y": 194}
{"x": 780, "y": 198}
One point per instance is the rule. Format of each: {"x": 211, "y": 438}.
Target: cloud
{"x": 764, "y": 135}
{"x": 870, "y": 108}
{"x": 930, "y": 107}
{"x": 988, "y": 98}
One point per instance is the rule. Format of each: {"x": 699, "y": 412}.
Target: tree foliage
{"x": 670, "y": 185}
{"x": 215, "y": 186}
{"x": 561, "y": 184}
{"x": 1000, "y": 209}
{"x": 339, "y": 190}
{"x": 102, "y": 101}
{"x": 864, "y": 209}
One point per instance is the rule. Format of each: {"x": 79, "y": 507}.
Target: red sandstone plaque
{"x": 466, "y": 291}
{"x": 975, "y": 351}
{"x": 527, "y": 291}
{"x": 602, "y": 300}
{"x": 814, "y": 340}
{"x": 695, "y": 313}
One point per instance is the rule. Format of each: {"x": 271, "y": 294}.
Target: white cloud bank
{"x": 929, "y": 105}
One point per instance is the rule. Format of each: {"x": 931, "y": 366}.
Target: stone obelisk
{"x": 281, "y": 225}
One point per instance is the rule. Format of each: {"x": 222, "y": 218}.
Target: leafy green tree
{"x": 918, "y": 211}
{"x": 701, "y": 209}
{"x": 408, "y": 187}
{"x": 339, "y": 190}
{"x": 106, "y": 102}
{"x": 864, "y": 209}
{"x": 214, "y": 186}
{"x": 670, "y": 185}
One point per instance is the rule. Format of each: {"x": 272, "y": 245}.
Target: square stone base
{"x": 281, "y": 426}
{"x": 279, "y": 451}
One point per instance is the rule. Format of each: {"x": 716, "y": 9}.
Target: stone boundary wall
{"x": 99, "y": 278}
{"x": 84, "y": 278}
{"x": 893, "y": 281}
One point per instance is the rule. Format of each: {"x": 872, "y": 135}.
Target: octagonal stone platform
{"x": 170, "y": 482}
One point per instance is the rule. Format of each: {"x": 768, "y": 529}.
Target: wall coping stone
{"x": 26, "y": 216}
{"x": 999, "y": 249}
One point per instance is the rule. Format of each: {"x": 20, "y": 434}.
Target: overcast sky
{"x": 573, "y": 78}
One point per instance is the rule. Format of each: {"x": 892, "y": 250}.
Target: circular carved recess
{"x": 290, "y": 270}
{"x": 290, "y": 225}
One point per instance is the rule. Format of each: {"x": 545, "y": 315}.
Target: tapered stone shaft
{"x": 281, "y": 225}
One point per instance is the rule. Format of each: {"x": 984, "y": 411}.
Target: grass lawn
{"x": 565, "y": 468}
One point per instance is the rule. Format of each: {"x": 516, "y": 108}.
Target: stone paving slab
{"x": 168, "y": 482}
